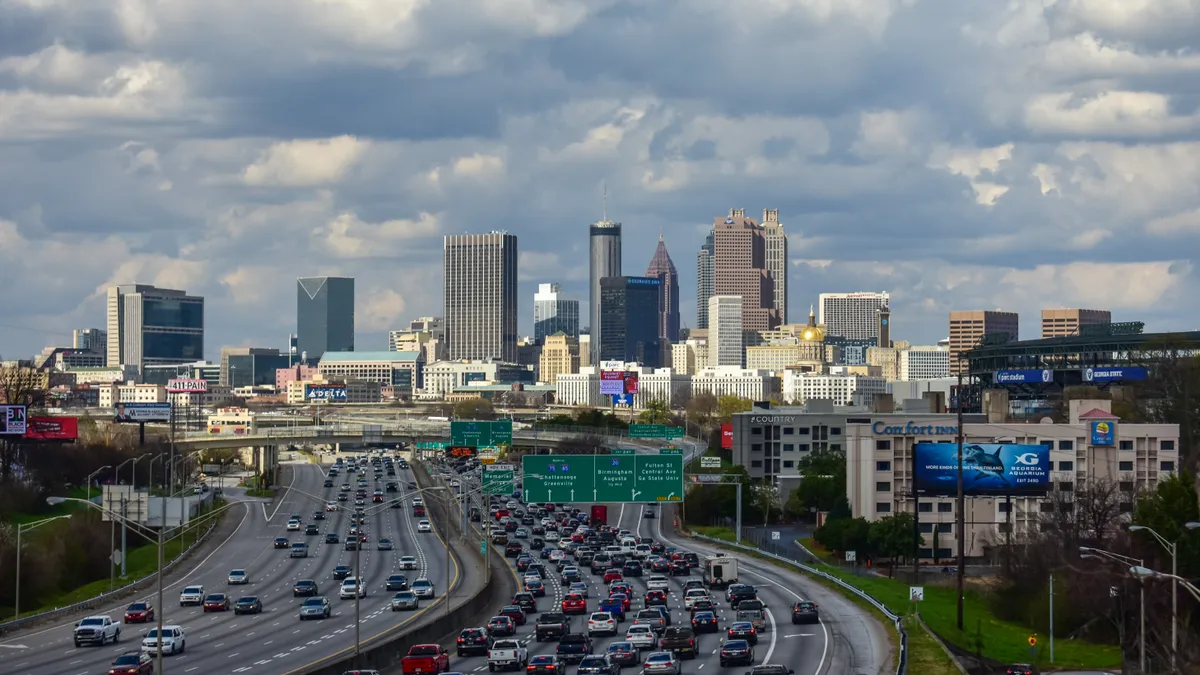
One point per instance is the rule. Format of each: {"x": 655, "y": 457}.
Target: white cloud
{"x": 1185, "y": 222}
{"x": 347, "y": 236}
{"x": 305, "y": 163}
{"x": 479, "y": 166}
{"x": 1125, "y": 113}
{"x": 380, "y": 311}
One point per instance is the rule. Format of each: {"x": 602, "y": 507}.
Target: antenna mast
{"x": 604, "y": 213}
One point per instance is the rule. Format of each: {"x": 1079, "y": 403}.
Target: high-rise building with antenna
{"x": 605, "y": 261}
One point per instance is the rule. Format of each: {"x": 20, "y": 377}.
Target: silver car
{"x": 316, "y": 608}
{"x": 405, "y": 600}
{"x": 423, "y": 588}
{"x": 238, "y": 577}
{"x": 661, "y": 663}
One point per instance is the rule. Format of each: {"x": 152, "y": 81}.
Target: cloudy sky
{"x": 1011, "y": 154}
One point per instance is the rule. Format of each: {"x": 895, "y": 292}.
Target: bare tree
{"x": 19, "y": 385}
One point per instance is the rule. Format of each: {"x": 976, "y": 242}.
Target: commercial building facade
{"x": 480, "y": 296}
{"x": 90, "y": 339}
{"x": 324, "y": 316}
{"x": 704, "y": 280}
{"x": 560, "y": 356}
{"x": 251, "y": 366}
{"x": 444, "y": 377}
{"x": 756, "y": 385}
{"x": 1067, "y": 322}
{"x": 740, "y": 269}
{"x": 842, "y": 388}
{"x": 856, "y": 316}
{"x": 725, "y": 338}
{"x": 923, "y": 363}
{"x": 776, "y": 250}
{"x": 153, "y": 326}
{"x": 553, "y": 313}
{"x": 629, "y": 314}
{"x": 967, "y": 328}
{"x": 402, "y": 370}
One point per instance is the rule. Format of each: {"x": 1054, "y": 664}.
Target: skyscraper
{"x": 968, "y": 327}
{"x": 704, "y": 280}
{"x": 1065, "y": 322}
{"x": 725, "y": 342}
{"x": 150, "y": 326}
{"x": 552, "y": 313}
{"x": 662, "y": 268}
{"x": 629, "y": 320}
{"x": 324, "y": 316}
{"x": 605, "y": 261}
{"x": 855, "y": 315}
{"x": 739, "y": 268}
{"x": 480, "y": 296}
{"x": 90, "y": 339}
{"x": 776, "y": 259}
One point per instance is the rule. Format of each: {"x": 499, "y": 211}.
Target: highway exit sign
{"x": 481, "y": 434}
{"x": 654, "y": 431}
{"x": 498, "y": 479}
{"x": 602, "y": 478}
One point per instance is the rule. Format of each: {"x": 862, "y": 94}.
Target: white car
{"x": 417, "y": 501}
{"x": 192, "y": 595}
{"x": 657, "y": 582}
{"x": 532, "y": 578}
{"x": 350, "y": 587}
{"x": 331, "y": 506}
{"x": 422, "y": 588}
{"x": 601, "y": 623}
{"x": 550, "y": 535}
{"x": 238, "y": 577}
{"x": 408, "y": 562}
{"x": 173, "y": 641}
{"x": 641, "y": 635}
{"x": 692, "y": 595}
{"x": 293, "y": 526}
{"x": 424, "y": 526}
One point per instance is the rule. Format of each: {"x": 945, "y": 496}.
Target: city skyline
{"x": 155, "y": 158}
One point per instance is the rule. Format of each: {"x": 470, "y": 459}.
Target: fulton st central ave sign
{"x": 911, "y": 429}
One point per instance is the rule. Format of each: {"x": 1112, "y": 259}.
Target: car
{"x": 623, "y": 653}
{"x": 545, "y": 664}
{"x": 328, "y": 483}
{"x": 248, "y": 604}
{"x": 737, "y": 652}
{"x": 526, "y": 601}
{"x": 680, "y": 568}
{"x": 649, "y": 513}
{"x": 282, "y": 542}
{"x": 97, "y": 630}
{"x": 299, "y": 550}
{"x": 407, "y": 562}
{"x": 641, "y": 635}
{"x": 692, "y": 595}
{"x": 384, "y": 544}
{"x": 574, "y": 603}
{"x": 631, "y": 568}
{"x": 502, "y": 626}
{"x": 331, "y": 538}
{"x": 601, "y": 623}
{"x": 536, "y": 587}
{"x": 613, "y": 575}
{"x": 1021, "y": 669}
{"x": 216, "y": 602}
{"x": 191, "y": 595}
{"x": 424, "y": 526}
{"x": 702, "y": 605}
{"x": 514, "y": 612}
{"x": 341, "y": 572}
{"x": 293, "y": 526}
{"x": 474, "y": 641}
{"x": 396, "y": 582}
{"x": 805, "y": 612}
{"x": 342, "y": 496}
{"x": 316, "y": 608}
{"x": 705, "y": 622}
{"x": 423, "y": 588}
{"x": 351, "y": 544}
{"x": 742, "y": 630}
{"x": 655, "y": 598}
{"x": 132, "y": 663}
{"x": 579, "y": 587}
{"x": 657, "y": 582}
{"x": 304, "y": 588}
{"x": 622, "y": 598}
{"x": 311, "y": 530}
{"x": 776, "y": 669}
{"x": 351, "y": 587}
{"x": 139, "y": 612}
{"x": 238, "y": 577}
{"x": 661, "y": 663}
{"x": 405, "y": 600}
{"x": 598, "y": 664}
{"x": 174, "y": 640}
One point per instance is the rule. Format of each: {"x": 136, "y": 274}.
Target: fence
{"x": 91, "y": 603}
{"x": 902, "y": 658}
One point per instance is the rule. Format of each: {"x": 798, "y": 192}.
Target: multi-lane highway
{"x": 275, "y": 641}
{"x": 847, "y": 640}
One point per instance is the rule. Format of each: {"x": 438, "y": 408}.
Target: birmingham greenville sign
{"x": 911, "y": 429}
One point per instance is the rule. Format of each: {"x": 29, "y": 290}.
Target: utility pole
{"x": 961, "y": 518}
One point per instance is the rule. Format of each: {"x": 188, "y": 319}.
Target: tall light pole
{"x": 112, "y": 528}
{"x": 93, "y": 475}
{"x": 1096, "y": 554}
{"x": 25, "y": 527}
{"x": 1173, "y": 549}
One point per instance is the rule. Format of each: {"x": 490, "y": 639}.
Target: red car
{"x": 217, "y": 602}
{"x": 139, "y": 612}
{"x": 574, "y": 603}
{"x": 425, "y": 659}
{"x": 613, "y": 575}
{"x": 513, "y": 612}
{"x": 132, "y": 663}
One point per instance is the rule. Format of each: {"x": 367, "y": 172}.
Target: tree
{"x": 822, "y": 483}
{"x": 656, "y": 411}
{"x": 765, "y": 498}
{"x": 728, "y": 405}
{"x": 19, "y": 385}
{"x": 892, "y": 538}
{"x": 701, "y": 408}
{"x": 1165, "y": 510}
{"x": 474, "y": 409}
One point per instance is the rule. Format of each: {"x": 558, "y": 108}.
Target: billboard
{"x": 612, "y": 382}
{"x": 1102, "y": 375}
{"x": 142, "y": 412}
{"x": 988, "y": 469}
{"x": 727, "y": 436}
{"x": 230, "y": 429}
{"x": 631, "y": 383}
{"x": 1104, "y": 432}
{"x": 13, "y": 420}
{"x": 325, "y": 392}
{"x": 1024, "y": 376}
{"x": 187, "y": 386}
{"x": 622, "y": 399}
{"x": 52, "y": 428}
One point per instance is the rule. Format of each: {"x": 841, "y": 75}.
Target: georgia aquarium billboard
{"x": 988, "y": 469}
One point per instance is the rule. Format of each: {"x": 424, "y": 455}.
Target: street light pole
{"x": 1089, "y": 552}
{"x": 1173, "y": 549}
{"x": 93, "y": 475}
{"x": 25, "y": 527}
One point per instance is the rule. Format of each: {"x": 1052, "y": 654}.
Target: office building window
{"x": 883, "y": 466}
{"x": 756, "y": 431}
{"x": 945, "y": 528}
{"x": 756, "y": 464}
{"x": 925, "y": 527}
{"x": 1048, "y": 444}
{"x": 804, "y": 447}
{"x": 883, "y": 486}
{"x": 789, "y": 464}
{"x": 803, "y": 431}
{"x": 1066, "y": 445}
{"x": 883, "y": 507}
{"x": 945, "y": 507}
{"x": 1124, "y": 466}
{"x": 756, "y": 447}
{"x": 835, "y": 447}
{"x": 789, "y": 447}
{"x": 1066, "y": 466}
{"x": 1046, "y": 507}
{"x": 924, "y": 507}
{"x": 789, "y": 431}
{"x": 1125, "y": 486}
{"x": 1125, "y": 445}
{"x": 1166, "y": 445}
{"x": 1166, "y": 466}
{"x": 1066, "y": 487}
{"x": 883, "y": 444}
{"x": 835, "y": 431}
{"x": 1004, "y": 506}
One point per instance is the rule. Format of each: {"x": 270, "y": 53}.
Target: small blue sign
{"x": 622, "y": 399}
{"x": 1024, "y": 376}
{"x": 1102, "y": 375}
{"x": 1103, "y": 432}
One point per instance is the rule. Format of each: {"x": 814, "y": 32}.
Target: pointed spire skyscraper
{"x": 663, "y": 269}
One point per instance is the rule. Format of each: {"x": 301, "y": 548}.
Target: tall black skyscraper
{"x": 662, "y": 268}
{"x": 324, "y": 316}
{"x": 629, "y": 309}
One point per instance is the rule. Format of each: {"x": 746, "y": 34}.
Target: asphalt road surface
{"x": 275, "y": 641}
{"x": 846, "y": 641}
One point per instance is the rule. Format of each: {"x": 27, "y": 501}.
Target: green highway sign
{"x": 498, "y": 479}
{"x": 483, "y": 547}
{"x": 431, "y": 445}
{"x": 623, "y": 451}
{"x": 602, "y": 478}
{"x": 670, "y": 451}
{"x": 654, "y": 431}
{"x": 481, "y": 434}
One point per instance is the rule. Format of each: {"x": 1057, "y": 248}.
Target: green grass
{"x": 824, "y": 554}
{"x": 58, "y": 510}
{"x": 260, "y": 492}
{"x": 925, "y": 655}
{"x": 722, "y": 533}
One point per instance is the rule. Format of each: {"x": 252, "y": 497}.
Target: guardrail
{"x": 902, "y": 658}
{"x": 17, "y": 624}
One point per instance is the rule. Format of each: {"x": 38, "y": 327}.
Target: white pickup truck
{"x": 97, "y": 630}
{"x": 506, "y": 655}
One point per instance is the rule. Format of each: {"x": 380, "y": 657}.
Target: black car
{"x": 311, "y": 529}
{"x": 513, "y": 549}
{"x": 691, "y": 559}
{"x": 341, "y": 572}
{"x": 679, "y": 568}
{"x": 331, "y": 538}
{"x": 624, "y": 654}
{"x": 351, "y": 544}
{"x": 737, "y": 652}
{"x": 631, "y": 568}
{"x": 742, "y": 630}
{"x": 526, "y": 601}
{"x": 705, "y": 622}
{"x": 396, "y": 582}
{"x": 474, "y": 641}
{"x": 318, "y": 515}
{"x": 282, "y": 542}
{"x": 740, "y": 592}
{"x": 598, "y": 664}
{"x": 572, "y": 647}
{"x": 249, "y": 604}
{"x": 304, "y": 588}
{"x": 551, "y": 626}
{"x": 502, "y": 626}
{"x": 805, "y": 612}
{"x": 544, "y": 664}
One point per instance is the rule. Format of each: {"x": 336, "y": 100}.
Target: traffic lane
{"x": 847, "y": 639}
